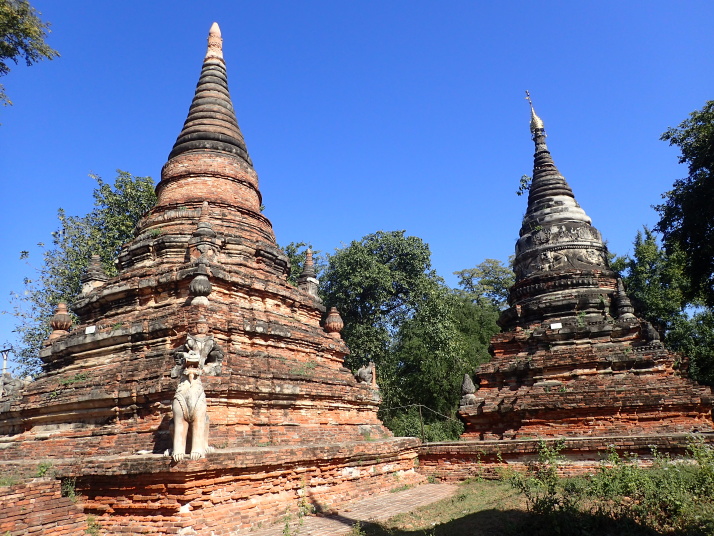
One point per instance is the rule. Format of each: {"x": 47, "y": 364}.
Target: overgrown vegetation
{"x": 674, "y": 496}
{"x": 10, "y": 479}
{"x": 93, "y": 526}
{"x": 411, "y": 423}
{"x": 68, "y": 488}
{"x": 77, "y": 378}
{"x": 43, "y": 469}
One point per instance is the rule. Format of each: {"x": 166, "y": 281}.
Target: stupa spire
{"x": 536, "y": 122}
{"x": 550, "y": 198}
{"x": 215, "y": 42}
{"x": 211, "y": 124}
{"x": 556, "y": 238}
{"x": 308, "y": 278}
{"x": 209, "y": 161}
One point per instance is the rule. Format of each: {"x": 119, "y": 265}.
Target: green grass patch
{"x": 478, "y": 508}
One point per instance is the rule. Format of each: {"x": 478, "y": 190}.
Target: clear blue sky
{"x": 364, "y": 116}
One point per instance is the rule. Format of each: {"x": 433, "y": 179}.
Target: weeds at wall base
{"x": 93, "y": 527}
{"x": 674, "y": 496}
{"x": 68, "y": 488}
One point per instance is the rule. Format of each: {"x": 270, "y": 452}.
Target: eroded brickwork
{"x": 286, "y": 417}
{"x": 611, "y": 384}
{"x": 573, "y": 361}
{"x": 38, "y": 507}
{"x": 492, "y": 459}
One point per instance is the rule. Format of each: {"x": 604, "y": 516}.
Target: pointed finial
{"x": 536, "y": 122}
{"x": 204, "y": 229}
{"x": 307, "y": 280}
{"x": 624, "y": 305}
{"x": 215, "y": 42}
{"x": 204, "y": 212}
{"x": 309, "y": 267}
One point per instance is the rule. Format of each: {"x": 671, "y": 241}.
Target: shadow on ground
{"x": 519, "y": 523}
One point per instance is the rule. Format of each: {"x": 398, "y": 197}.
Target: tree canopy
{"x": 117, "y": 209}
{"x": 422, "y": 335}
{"x": 22, "y": 38}
{"x": 487, "y": 283}
{"x": 656, "y": 283}
{"x": 687, "y": 214}
{"x": 377, "y": 283}
{"x": 673, "y": 287}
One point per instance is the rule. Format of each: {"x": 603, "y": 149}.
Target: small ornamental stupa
{"x": 199, "y": 392}
{"x": 572, "y": 359}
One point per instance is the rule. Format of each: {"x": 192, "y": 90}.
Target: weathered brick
{"x": 285, "y": 415}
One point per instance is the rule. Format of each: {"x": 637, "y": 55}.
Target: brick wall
{"x": 37, "y": 507}
{"x": 458, "y": 461}
{"x": 230, "y": 491}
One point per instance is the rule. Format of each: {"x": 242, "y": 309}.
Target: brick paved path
{"x": 377, "y": 508}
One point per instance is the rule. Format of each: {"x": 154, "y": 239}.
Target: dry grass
{"x": 479, "y": 508}
{"x": 488, "y": 508}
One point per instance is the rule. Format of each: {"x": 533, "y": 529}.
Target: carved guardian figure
{"x": 367, "y": 374}
{"x": 200, "y": 354}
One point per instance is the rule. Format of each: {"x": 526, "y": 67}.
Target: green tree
{"x": 110, "y": 224}
{"x": 422, "y": 335}
{"x": 399, "y": 313}
{"x": 427, "y": 361}
{"x": 377, "y": 283}
{"x": 477, "y": 324}
{"x": 655, "y": 281}
{"x": 487, "y": 283}
{"x": 687, "y": 214}
{"x": 483, "y": 293}
{"x": 693, "y": 337}
{"x": 22, "y": 38}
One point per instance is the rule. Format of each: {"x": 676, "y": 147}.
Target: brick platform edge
{"x": 228, "y": 493}
{"x": 460, "y": 460}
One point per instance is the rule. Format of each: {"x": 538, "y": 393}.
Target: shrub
{"x": 409, "y": 424}
{"x": 672, "y": 496}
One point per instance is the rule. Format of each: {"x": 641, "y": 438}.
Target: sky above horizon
{"x": 363, "y": 116}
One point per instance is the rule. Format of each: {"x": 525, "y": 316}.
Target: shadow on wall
{"x": 162, "y": 435}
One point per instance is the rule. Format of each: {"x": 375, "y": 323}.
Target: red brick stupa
{"x": 201, "y": 335}
{"x": 573, "y": 360}
{"x": 573, "y": 366}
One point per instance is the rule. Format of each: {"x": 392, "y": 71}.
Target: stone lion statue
{"x": 367, "y": 374}
{"x": 190, "y": 424}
